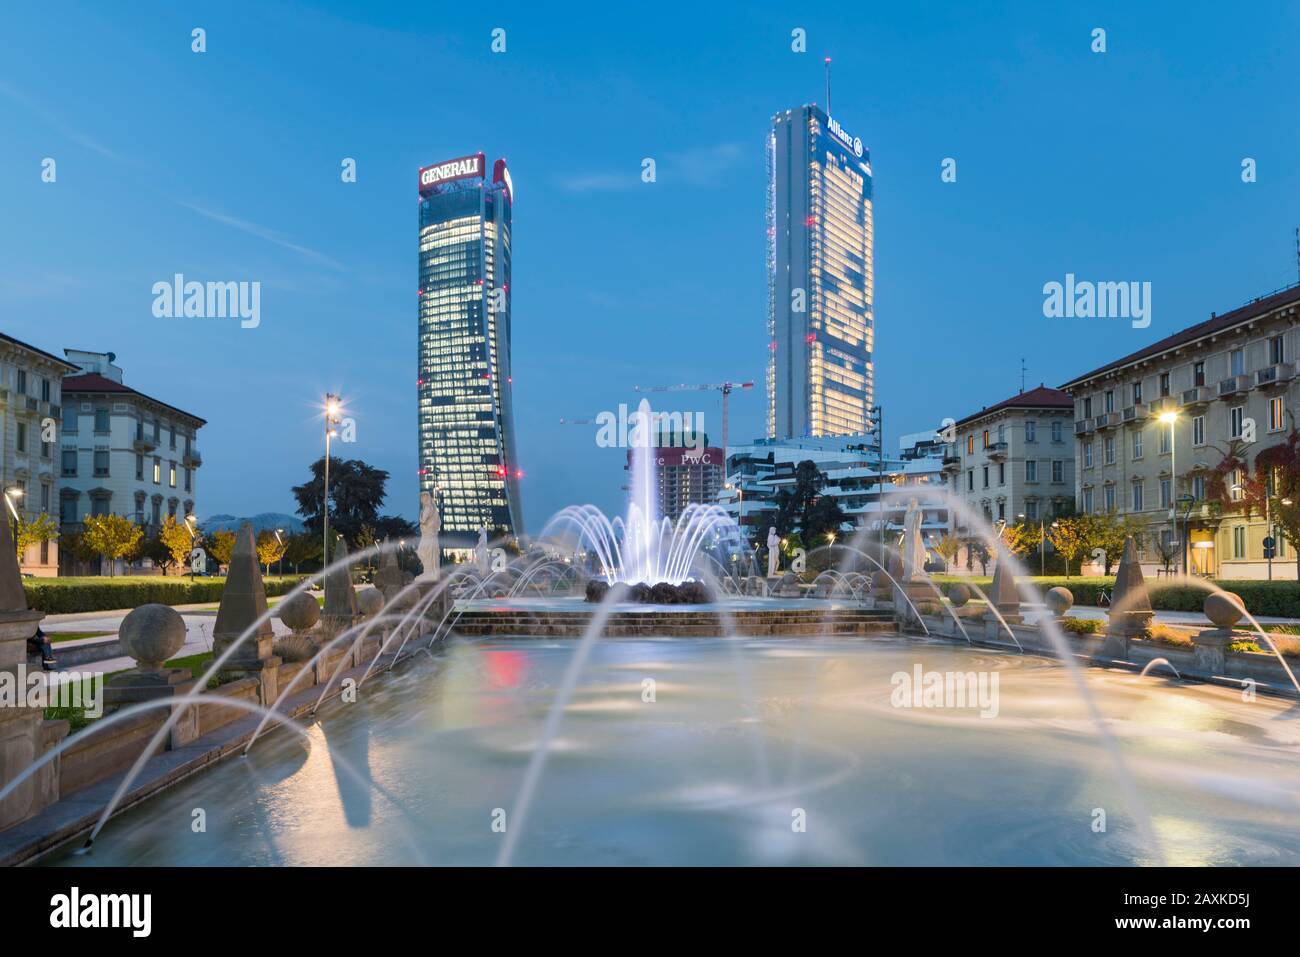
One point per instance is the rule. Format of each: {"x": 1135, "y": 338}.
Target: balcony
{"x": 1233, "y": 386}
{"x": 192, "y": 459}
{"x": 1197, "y": 395}
{"x": 1135, "y": 414}
{"x": 1083, "y": 427}
{"x": 1107, "y": 420}
{"x": 997, "y": 451}
{"x": 144, "y": 446}
{"x": 1279, "y": 374}
{"x": 1165, "y": 403}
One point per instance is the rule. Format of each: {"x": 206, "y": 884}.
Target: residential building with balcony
{"x": 1221, "y": 381}
{"x": 1014, "y": 459}
{"x": 30, "y": 396}
{"x": 121, "y": 451}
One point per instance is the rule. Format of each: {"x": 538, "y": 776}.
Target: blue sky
{"x": 225, "y": 166}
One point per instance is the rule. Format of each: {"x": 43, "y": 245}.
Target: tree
{"x": 1273, "y": 488}
{"x": 221, "y": 545}
{"x": 112, "y": 536}
{"x": 1071, "y": 536}
{"x": 303, "y": 547}
{"x": 977, "y": 551}
{"x": 804, "y": 508}
{"x": 270, "y": 548}
{"x": 1108, "y": 532}
{"x": 948, "y": 548}
{"x": 357, "y": 492}
{"x": 1023, "y": 538}
{"x": 157, "y": 552}
{"x": 43, "y": 528}
{"x": 176, "y": 539}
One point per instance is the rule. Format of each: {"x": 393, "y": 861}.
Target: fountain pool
{"x": 742, "y": 737}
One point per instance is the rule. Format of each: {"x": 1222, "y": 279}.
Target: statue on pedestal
{"x": 773, "y": 552}
{"x": 481, "y": 551}
{"x": 430, "y": 524}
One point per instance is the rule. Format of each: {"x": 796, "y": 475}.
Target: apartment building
{"x": 1014, "y": 460}
{"x": 121, "y": 451}
{"x": 1151, "y": 427}
{"x": 30, "y": 396}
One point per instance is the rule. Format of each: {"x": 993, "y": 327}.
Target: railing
{"x": 1231, "y": 386}
{"x": 1275, "y": 374}
{"x": 1083, "y": 426}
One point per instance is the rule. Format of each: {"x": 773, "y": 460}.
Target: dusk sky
{"x": 225, "y": 166}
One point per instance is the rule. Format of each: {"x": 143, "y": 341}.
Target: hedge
{"x": 1280, "y": 598}
{"x": 55, "y": 597}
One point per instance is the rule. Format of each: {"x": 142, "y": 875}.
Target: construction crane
{"x": 724, "y": 387}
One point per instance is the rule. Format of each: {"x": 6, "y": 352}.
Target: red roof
{"x": 1252, "y": 310}
{"x": 94, "y": 383}
{"x": 1040, "y": 398}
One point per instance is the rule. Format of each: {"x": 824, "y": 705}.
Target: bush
{"x": 56, "y": 596}
{"x": 1280, "y": 598}
{"x": 1081, "y": 626}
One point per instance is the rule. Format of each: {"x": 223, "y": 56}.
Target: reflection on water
{"x": 743, "y": 739}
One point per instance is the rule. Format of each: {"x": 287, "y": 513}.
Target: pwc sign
{"x": 462, "y": 168}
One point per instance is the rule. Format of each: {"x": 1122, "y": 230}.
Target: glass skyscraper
{"x": 466, "y": 421}
{"x": 819, "y": 278}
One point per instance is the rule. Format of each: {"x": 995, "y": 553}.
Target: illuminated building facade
{"x": 466, "y": 421}
{"x": 820, "y": 274}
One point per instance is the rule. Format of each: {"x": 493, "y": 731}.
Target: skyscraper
{"x": 466, "y": 420}
{"x": 819, "y": 278}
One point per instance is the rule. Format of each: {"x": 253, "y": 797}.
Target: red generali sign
{"x": 439, "y": 173}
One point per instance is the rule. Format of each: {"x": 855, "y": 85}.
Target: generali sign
{"x": 431, "y": 176}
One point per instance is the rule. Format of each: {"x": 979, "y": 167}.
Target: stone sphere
{"x": 1224, "y": 609}
{"x": 958, "y": 594}
{"x": 1059, "y": 600}
{"x": 151, "y": 634}
{"x": 299, "y": 611}
{"x": 370, "y": 601}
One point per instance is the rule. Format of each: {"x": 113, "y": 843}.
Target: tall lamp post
{"x": 191, "y": 526}
{"x": 1168, "y": 418}
{"x": 331, "y": 419}
{"x": 12, "y": 493}
{"x": 279, "y": 562}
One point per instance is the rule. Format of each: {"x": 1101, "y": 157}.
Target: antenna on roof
{"x": 1297, "y": 252}
{"x": 828, "y": 103}
{"x": 1022, "y": 375}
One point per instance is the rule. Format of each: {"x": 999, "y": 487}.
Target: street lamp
{"x": 12, "y": 493}
{"x": 279, "y": 562}
{"x": 191, "y": 524}
{"x": 1169, "y": 417}
{"x": 332, "y": 409}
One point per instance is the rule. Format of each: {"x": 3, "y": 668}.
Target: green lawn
{"x": 58, "y": 636}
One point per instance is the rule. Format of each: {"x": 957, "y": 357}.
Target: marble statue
{"x": 912, "y": 548}
{"x": 430, "y": 524}
{"x": 773, "y": 552}
{"x": 481, "y": 551}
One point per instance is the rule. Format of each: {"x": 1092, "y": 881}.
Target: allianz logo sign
{"x": 852, "y": 142}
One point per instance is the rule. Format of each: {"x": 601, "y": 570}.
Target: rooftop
{"x": 94, "y": 383}
{"x": 41, "y": 352}
{"x": 1041, "y": 398}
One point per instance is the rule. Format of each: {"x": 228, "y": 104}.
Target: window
{"x": 1198, "y": 430}
{"x": 1031, "y": 470}
{"x": 157, "y": 471}
{"x": 1087, "y": 501}
{"x": 970, "y": 445}
{"x": 1275, "y": 414}
{"x": 101, "y": 463}
{"x": 101, "y": 420}
{"x": 1087, "y": 455}
{"x": 99, "y": 506}
{"x": 1031, "y": 431}
{"x": 1235, "y": 419}
{"x": 986, "y": 476}
{"x": 1031, "y": 511}
{"x": 68, "y": 509}
{"x": 188, "y": 480}
{"x": 157, "y": 434}
{"x": 1164, "y": 440}
{"x": 171, "y": 474}
{"x": 1056, "y": 431}
{"x": 1110, "y": 498}
{"x": 1239, "y": 541}
{"x": 157, "y": 512}
{"x": 70, "y": 463}
{"x": 139, "y": 468}
{"x": 986, "y": 438}
{"x": 69, "y": 420}
{"x": 1002, "y": 433}
{"x": 1198, "y": 373}
{"x": 1058, "y": 470}
{"x": 970, "y": 479}
{"x": 1108, "y": 450}
{"x": 1087, "y": 408}
{"x": 1137, "y": 393}
{"x": 1002, "y": 511}
{"x": 1137, "y": 496}
{"x": 20, "y": 437}
{"x": 1237, "y": 361}
{"x": 1164, "y": 384}
{"x": 1235, "y": 489}
{"x": 1279, "y": 542}
{"x": 1137, "y": 444}
{"x": 45, "y": 390}
{"x": 1165, "y": 499}
{"x": 21, "y": 382}
{"x": 1110, "y": 400}
{"x": 45, "y": 497}
{"x": 1276, "y": 353}
{"x": 1198, "y": 487}
{"x": 171, "y": 437}
{"x": 1002, "y": 473}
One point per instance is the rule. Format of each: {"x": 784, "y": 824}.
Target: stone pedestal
{"x": 242, "y": 618}
{"x": 135, "y": 686}
{"x": 25, "y": 735}
{"x": 1210, "y": 650}
{"x": 916, "y": 594}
